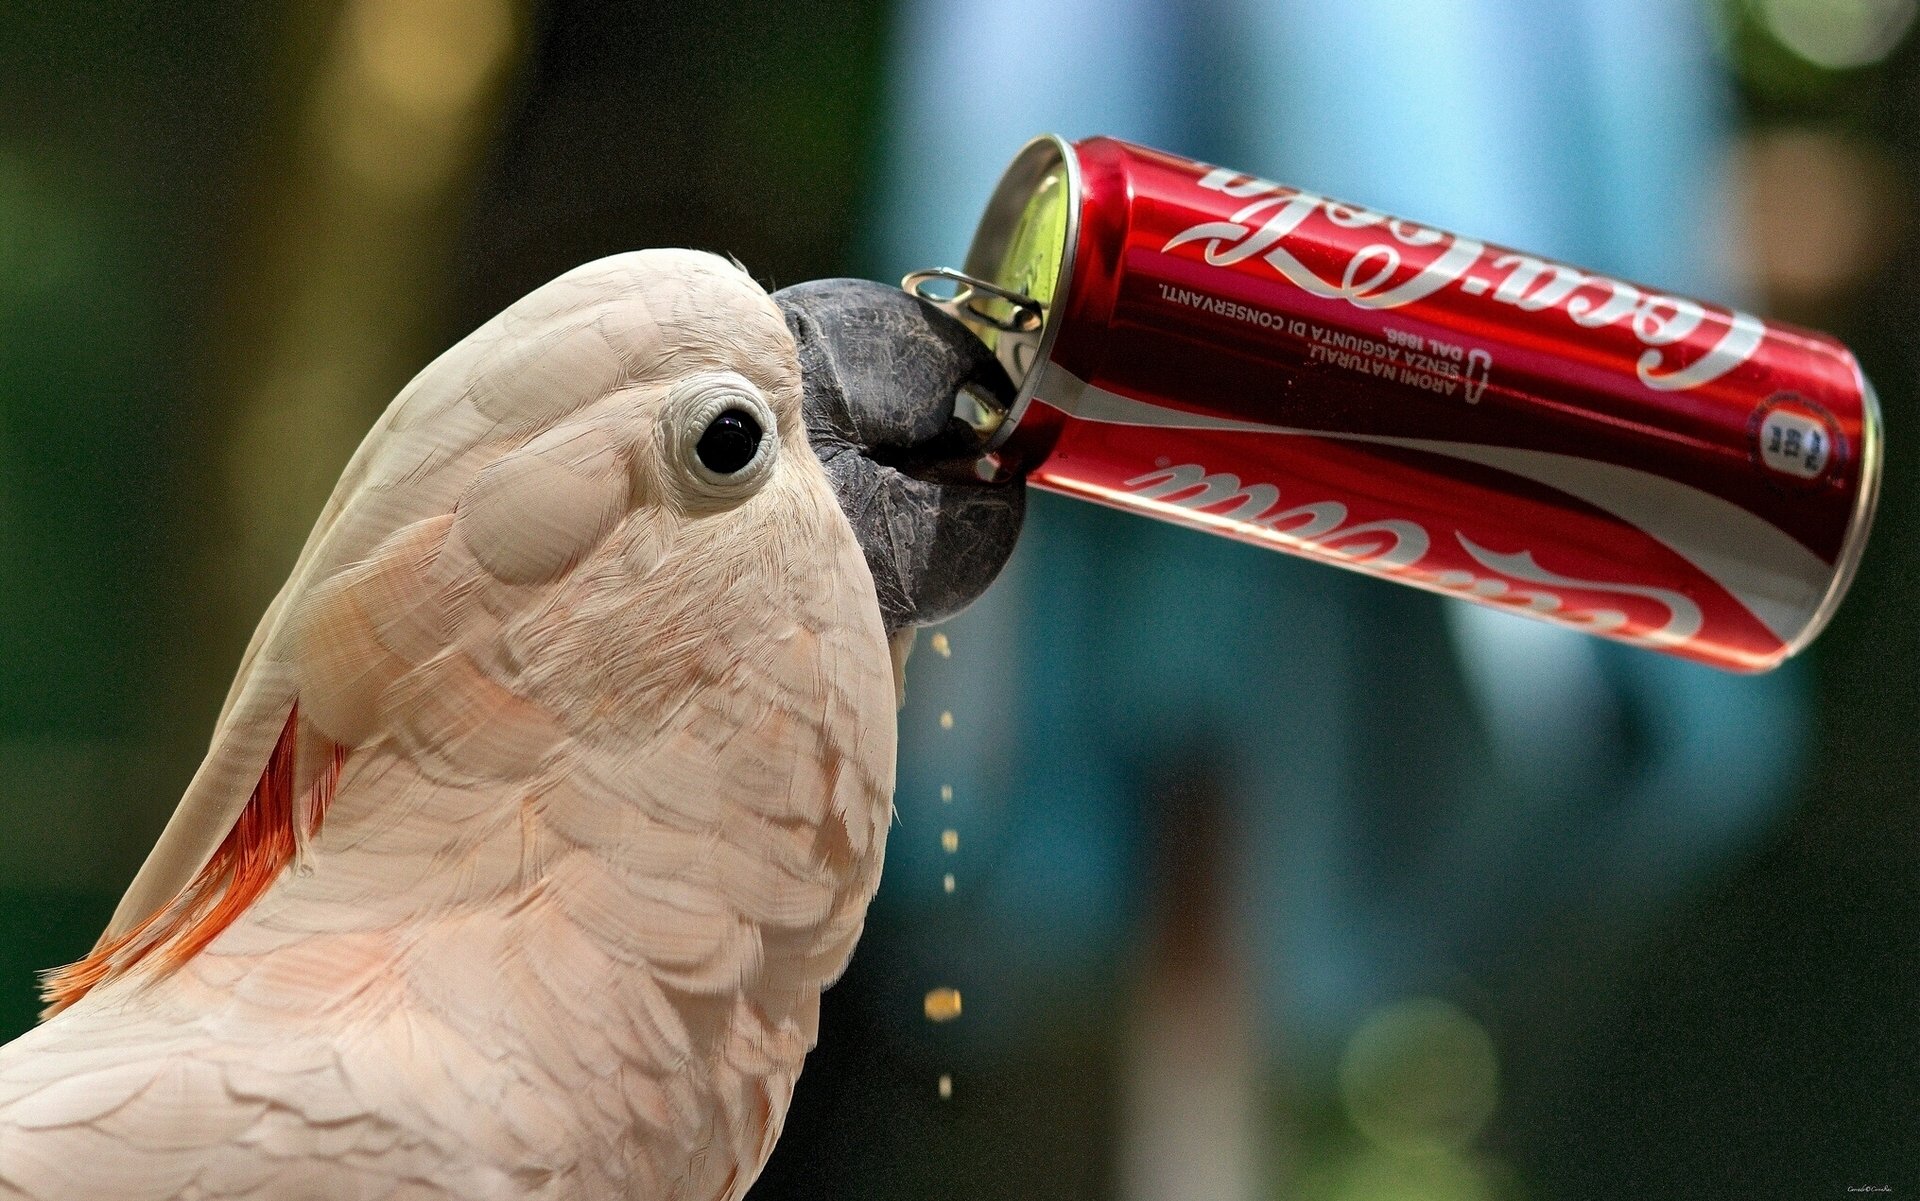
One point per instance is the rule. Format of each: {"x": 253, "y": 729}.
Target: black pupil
{"x": 729, "y": 443}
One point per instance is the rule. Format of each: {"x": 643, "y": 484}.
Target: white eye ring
{"x": 691, "y": 407}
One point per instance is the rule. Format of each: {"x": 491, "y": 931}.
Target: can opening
{"x": 1018, "y": 266}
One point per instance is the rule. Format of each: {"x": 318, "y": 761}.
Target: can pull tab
{"x": 1012, "y": 324}
{"x": 969, "y": 298}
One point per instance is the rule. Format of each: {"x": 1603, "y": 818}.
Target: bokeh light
{"x": 430, "y": 57}
{"x": 405, "y": 80}
{"x": 1838, "y": 34}
{"x": 1420, "y": 1077}
{"x": 1820, "y": 212}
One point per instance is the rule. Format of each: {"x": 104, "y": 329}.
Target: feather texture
{"x": 604, "y": 754}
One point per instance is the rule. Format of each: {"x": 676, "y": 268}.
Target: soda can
{"x": 1210, "y": 348}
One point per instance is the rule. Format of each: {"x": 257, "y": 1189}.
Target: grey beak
{"x": 881, "y": 371}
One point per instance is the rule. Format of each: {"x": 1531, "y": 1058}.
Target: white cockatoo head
{"x": 647, "y": 514}
{"x": 577, "y": 718}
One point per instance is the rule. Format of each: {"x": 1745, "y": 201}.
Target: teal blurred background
{"x": 230, "y": 232}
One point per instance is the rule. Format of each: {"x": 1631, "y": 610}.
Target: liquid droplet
{"x": 946, "y": 793}
{"x": 949, "y": 841}
{"x": 946, "y": 719}
{"x": 941, "y": 646}
{"x": 943, "y": 1004}
{"x": 947, "y": 883}
{"x": 946, "y": 1088}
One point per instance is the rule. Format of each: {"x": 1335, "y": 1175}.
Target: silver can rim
{"x": 1853, "y": 547}
{"x": 990, "y": 239}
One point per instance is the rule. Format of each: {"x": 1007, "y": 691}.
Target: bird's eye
{"x": 730, "y": 442}
{"x": 722, "y": 437}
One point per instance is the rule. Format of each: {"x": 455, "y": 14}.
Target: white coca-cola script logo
{"x": 1321, "y": 525}
{"x": 1375, "y": 277}
{"x": 1397, "y": 544}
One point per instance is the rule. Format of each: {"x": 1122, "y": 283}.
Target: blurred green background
{"x": 229, "y": 232}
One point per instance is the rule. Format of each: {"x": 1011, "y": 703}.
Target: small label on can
{"x": 1795, "y": 439}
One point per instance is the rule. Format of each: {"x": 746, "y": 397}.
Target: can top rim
{"x": 992, "y": 237}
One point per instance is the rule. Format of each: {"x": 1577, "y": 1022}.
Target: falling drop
{"x": 941, "y": 646}
{"x": 946, "y": 793}
{"x": 946, "y": 719}
{"x": 947, "y": 883}
{"x": 943, "y": 1004}
{"x": 946, "y": 1088}
{"x": 949, "y": 841}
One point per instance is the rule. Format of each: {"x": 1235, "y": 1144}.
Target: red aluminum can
{"x": 1213, "y": 349}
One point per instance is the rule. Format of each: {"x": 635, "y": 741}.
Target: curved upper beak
{"x": 883, "y": 372}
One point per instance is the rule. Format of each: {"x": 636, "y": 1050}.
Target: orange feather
{"x": 261, "y": 844}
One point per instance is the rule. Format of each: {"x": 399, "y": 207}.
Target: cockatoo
{"x": 554, "y": 784}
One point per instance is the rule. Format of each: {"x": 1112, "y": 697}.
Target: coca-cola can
{"x": 1210, "y": 348}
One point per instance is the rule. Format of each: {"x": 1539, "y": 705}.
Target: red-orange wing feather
{"x": 264, "y": 840}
